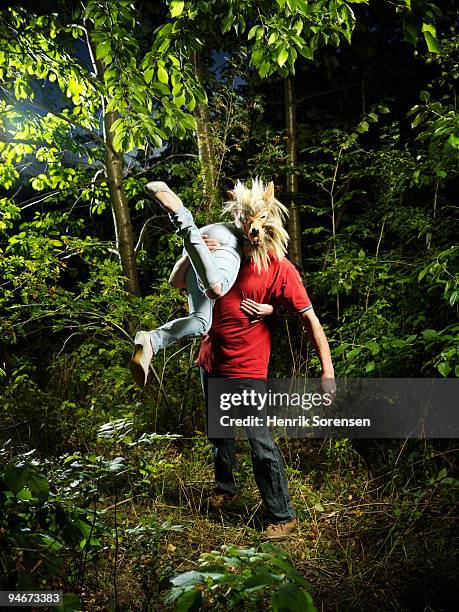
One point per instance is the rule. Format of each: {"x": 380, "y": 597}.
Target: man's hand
{"x": 211, "y": 243}
{"x": 328, "y": 385}
{"x": 255, "y": 310}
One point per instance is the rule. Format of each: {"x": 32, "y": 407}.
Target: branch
{"x": 11, "y": 140}
{"x": 162, "y": 160}
{"x": 41, "y": 198}
{"x": 326, "y": 92}
{"x": 72, "y": 122}
{"x": 141, "y": 235}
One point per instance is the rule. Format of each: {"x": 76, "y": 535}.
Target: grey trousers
{"x": 268, "y": 465}
{"x": 206, "y": 271}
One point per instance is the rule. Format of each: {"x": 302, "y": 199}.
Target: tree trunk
{"x": 120, "y": 208}
{"x": 294, "y": 225}
{"x": 205, "y": 144}
{"x": 115, "y": 176}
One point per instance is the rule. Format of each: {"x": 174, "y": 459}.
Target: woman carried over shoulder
{"x": 208, "y": 275}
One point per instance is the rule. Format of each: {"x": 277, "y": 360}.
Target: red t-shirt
{"x": 235, "y": 347}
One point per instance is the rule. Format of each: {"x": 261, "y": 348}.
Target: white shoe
{"x": 161, "y": 187}
{"x": 141, "y": 357}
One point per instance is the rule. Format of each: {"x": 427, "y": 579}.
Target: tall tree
{"x": 204, "y": 137}
{"x": 290, "y": 28}
{"x": 122, "y": 101}
{"x": 294, "y": 223}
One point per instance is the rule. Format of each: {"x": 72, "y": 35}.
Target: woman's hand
{"x": 211, "y": 243}
{"x": 255, "y": 310}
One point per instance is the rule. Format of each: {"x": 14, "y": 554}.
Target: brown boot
{"x": 279, "y": 531}
{"x": 220, "y": 500}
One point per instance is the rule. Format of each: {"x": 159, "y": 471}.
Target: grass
{"x": 367, "y": 539}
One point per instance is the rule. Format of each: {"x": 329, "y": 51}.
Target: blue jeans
{"x": 206, "y": 271}
{"x": 267, "y": 462}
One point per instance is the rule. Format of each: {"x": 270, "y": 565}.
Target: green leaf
{"x": 191, "y": 104}
{"x": 429, "y": 27}
{"x": 373, "y": 346}
{"x": 17, "y": 478}
{"x": 148, "y": 74}
{"x": 118, "y": 140}
{"x": 117, "y": 464}
{"x": 290, "y": 597}
{"x": 164, "y": 45}
{"x": 38, "y": 484}
{"x": 453, "y": 140}
{"x": 163, "y": 77}
{"x": 282, "y": 56}
{"x": 257, "y": 55}
{"x": 177, "y": 8}
{"x": 410, "y": 32}
{"x": 303, "y": 7}
{"x": 306, "y": 52}
{"x": 418, "y": 119}
{"x": 362, "y": 127}
{"x": 444, "y": 369}
{"x": 187, "y": 578}
{"x": 429, "y": 334}
{"x": 227, "y": 23}
{"x": 50, "y": 542}
{"x": 14, "y": 478}
{"x": 340, "y": 349}
{"x": 432, "y": 43}
{"x": 259, "y": 581}
{"x": 190, "y": 601}
{"x": 287, "y": 568}
{"x": 24, "y": 494}
{"x": 83, "y": 527}
{"x": 424, "y": 96}
{"x": 180, "y": 100}
{"x": 103, "y": 49}
{"x": 252, "y": 32}
{"x": 188, "y": 121}
{"x": 263, "y": 69}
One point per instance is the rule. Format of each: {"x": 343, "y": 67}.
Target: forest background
{"x": 350, "y": 108}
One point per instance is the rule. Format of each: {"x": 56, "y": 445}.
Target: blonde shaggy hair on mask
{"x": 245, "y": 203}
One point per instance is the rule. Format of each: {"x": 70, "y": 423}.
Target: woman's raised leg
{"x": 196, "y": 324}
{"x": 211, "y": 276}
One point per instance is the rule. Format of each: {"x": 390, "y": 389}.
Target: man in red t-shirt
{"x": 238, "y": 345}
